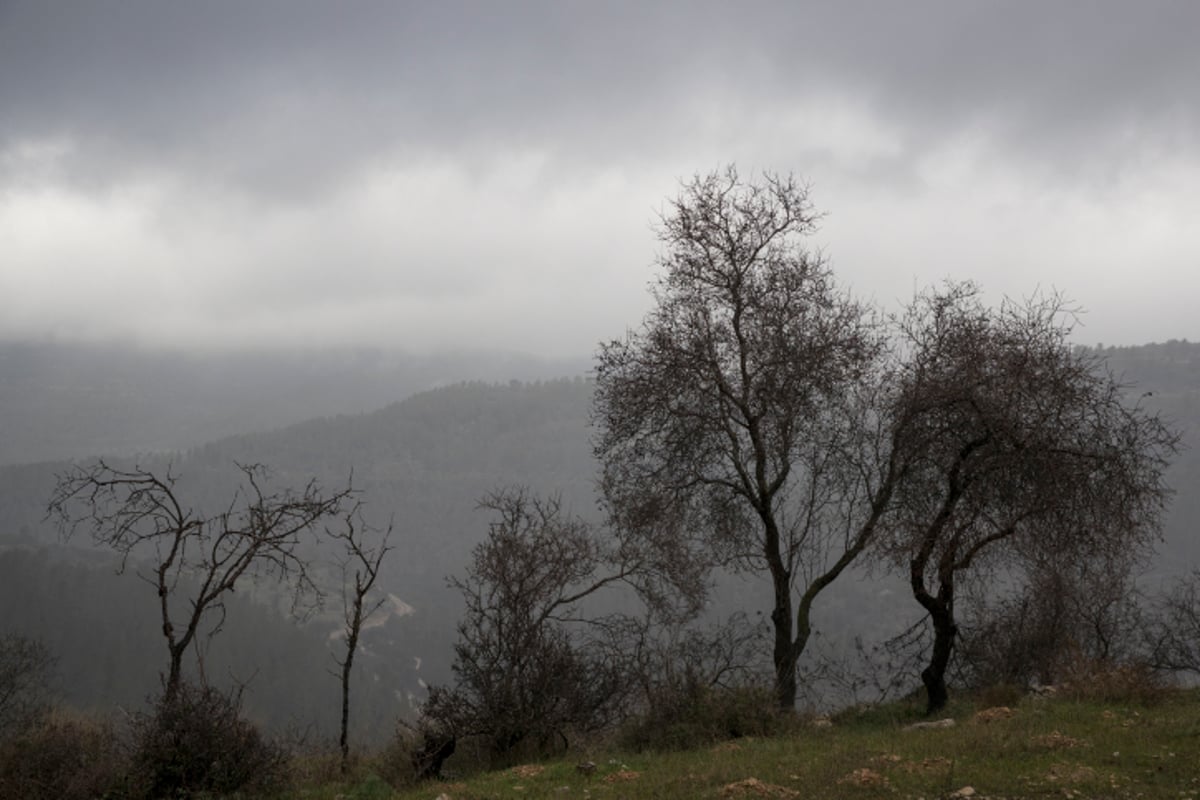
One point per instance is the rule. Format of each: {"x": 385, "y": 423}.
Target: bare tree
{"x": 524, "y": 672}
{"x": 364, "y": 549}
{"x": 25, "y": 666}
{"x": 1174, "y": 631}
{"x": 1061, "y": 613}
{"x": 139, "y": 514}
{"x": 1018, "y": 446}
{"x": 743, "y": 412}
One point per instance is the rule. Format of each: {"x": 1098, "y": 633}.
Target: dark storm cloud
{"x": 287, "y": 95}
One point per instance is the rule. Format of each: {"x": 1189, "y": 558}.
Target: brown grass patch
{"x": 1057, "y": 741}
{"x": 993, "y": 714}
{"x": 528, "y": 770}
{"x": 865, "y": 778}
{"x": 622, "y": 776}
{"x": 753, "y": 787}
{"x": 934, "y": 764}
{"x": 1070, "y": 773}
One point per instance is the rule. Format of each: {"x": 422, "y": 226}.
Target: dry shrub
{"x": 395, "y": 762}
{"x": 319, "y": 766}
{"x": 701, "y": 715}
{"x": 62, "y": 757}
{"x": 1100, "y": 682}
{"x": 1000, "y": 694}
{"x": 196, "y": 742}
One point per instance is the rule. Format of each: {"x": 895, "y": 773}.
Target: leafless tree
{"x": 1053, "y": 616}
{"x": 663, "y": 659}
{"x": 524, "y": 672}
{"x": 1174, "y": 632}
{"x": 1018, "y": 446}
{"x": 139, "y": 514}
{"x": 25, "y": 666}
{"x": 364, "y": 549}
{"x": 742, "y": 416}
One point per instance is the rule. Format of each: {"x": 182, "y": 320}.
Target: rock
{"x": 941, "y": 723}
{"x": 966, "y": 791}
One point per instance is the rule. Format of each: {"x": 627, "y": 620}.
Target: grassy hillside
{"x": 1067, "y": 748}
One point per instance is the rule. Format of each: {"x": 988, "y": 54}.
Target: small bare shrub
{"x": 1000, "y": 695}
{"x": 1102, "y": 682}
{"x": 25, "y": 668}
{"x": 195, "y": 741}
{"x": 62, "y": 757}
{"x": 395, "y": 763}
{"x": 699, "y": 715}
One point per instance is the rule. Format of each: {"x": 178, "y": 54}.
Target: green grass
{"x": 1047, "y": 748}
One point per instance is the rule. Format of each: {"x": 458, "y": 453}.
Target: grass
{"x": 1058, "y": 748}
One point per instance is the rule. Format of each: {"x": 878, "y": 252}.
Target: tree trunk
{"x": 347, "y": 665}
{"x": 175, "y": 675}
{"x": 785, "y": 651}
{"x": 934, "y": 675}
{"x": 941, "y": 613}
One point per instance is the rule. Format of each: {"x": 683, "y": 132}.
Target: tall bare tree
{"x": 140, "y": 514}
{"x": 1017, "y": 445}
{"x": 363, "y": 551}
{"x": 743, "y": 412}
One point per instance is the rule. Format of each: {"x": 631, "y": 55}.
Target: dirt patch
{"x": 865, "y": 778}
{"x": 753, "y": 787}
{"x": 926, "y": 765}
{"x": 993, "y": 714}
{"x": 1070, "y": 773}
{"x": 622, "y": 776}
{"x": 1057, "y": 741}
{"x": 528, "y": 770}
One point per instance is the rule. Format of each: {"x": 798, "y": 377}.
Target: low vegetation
{"x": 1043, "y": 746}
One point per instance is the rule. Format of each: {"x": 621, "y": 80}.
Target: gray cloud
{"x": 262, "y": 168}
{"x": 293, "y": 94}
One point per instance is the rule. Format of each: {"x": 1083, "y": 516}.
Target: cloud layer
{"x": 450, "y": 175}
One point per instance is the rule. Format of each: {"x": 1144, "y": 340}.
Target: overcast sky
{"x": 445, "y": 175}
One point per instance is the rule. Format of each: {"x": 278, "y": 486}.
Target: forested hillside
{"x": 423, "y": 463}
{"x": 66, "y": 401}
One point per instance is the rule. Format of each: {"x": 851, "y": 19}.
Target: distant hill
{"x": 64, "y": 401}
{"x": 425, "y": 461}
